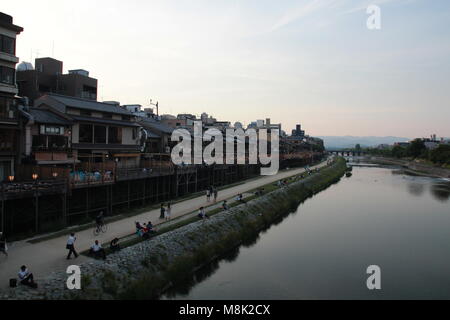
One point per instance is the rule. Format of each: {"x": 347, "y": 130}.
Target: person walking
{"x": 208, "y": 195}
{"x": 163, "y": 212}
{"x": 71, "y": 246}
{"x": 216, "y": 194}
{"x": 168, "y": 212}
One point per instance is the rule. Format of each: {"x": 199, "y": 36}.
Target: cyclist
{"x": 100, "y": 220}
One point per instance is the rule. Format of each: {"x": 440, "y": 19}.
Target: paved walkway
{"x": 50, "y": 255}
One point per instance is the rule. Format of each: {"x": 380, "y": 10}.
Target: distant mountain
{"x": 351, "y": 142}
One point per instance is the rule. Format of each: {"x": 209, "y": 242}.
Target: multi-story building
{"x": 9, "y": 115}
{"x": 47, "y": 77}
{"x": 100, "y": 131}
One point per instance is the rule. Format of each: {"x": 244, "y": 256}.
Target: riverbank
{"x": 147, "y": 269}
{"x": 413, "y": 167}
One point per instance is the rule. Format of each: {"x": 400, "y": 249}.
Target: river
{"x": 379, "y": 216}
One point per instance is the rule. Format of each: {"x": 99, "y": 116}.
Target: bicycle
{"x": 100, "y": 228}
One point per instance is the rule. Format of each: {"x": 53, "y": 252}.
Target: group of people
{"x": 96, "y": 249}
{"x": 212, "y": 192}
{"x": 166, "y": 213}
{"x": 145, "y": 230}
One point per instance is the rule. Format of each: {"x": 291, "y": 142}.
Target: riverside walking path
{"x": 44, "y": 257}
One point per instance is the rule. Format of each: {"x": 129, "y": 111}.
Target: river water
{"x": 380, "y": 216}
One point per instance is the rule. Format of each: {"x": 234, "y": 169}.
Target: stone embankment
{"x": 145, "y": 270}
{"x": 414, "y": 167}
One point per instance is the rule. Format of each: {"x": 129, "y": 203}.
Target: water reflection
{"x": 184, "y": 288}
{"x": 416, "y": 189}
{"x": 441, "y": 191}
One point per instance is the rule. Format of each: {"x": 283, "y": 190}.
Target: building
{"x": 185, "y": 121}
{"x": 139, "y": 111}
{"x": 261, "y": 124}
{"x": 100, "y": 131}
{"x": 298, "y": 132}
{"x": 159, "y": 136}
{"x": 47, "y": 77}
{"x": 9, "y": 115}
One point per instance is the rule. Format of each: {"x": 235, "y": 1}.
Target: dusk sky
{"x": 310, "y": 62}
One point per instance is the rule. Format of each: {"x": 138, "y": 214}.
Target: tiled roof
{"x": 45, "y": 116}
{"x": 153, "y": 124}
{"x": 88, "y": 104}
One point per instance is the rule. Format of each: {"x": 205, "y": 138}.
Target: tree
{"x": 416, "y": 148}
{"x": 398, "y": 152}
{"x": 441, "y": 155}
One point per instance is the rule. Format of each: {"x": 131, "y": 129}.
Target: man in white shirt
{"x": 26, "y": 278}
{"x": 98, "y": 251}
{"x": 71, "y": 246}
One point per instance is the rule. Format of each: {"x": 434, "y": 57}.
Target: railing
{"x": 12, "y": 190}
{"x": 148, "y": 169}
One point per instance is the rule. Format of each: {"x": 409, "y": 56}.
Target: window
{"x": 85, "y": 113}
{"x": 50, "y": 143}
{"x": 7, "y": 140}
{"x": 107, "y": 116}
{"x": 99, "y": 134}
{"x": 7, "y": 45}
{"x": 86, "y": 133}
{"x": 8, "y": 109}
{"x": 114, "y": 135}
{"x": 7, "y": 75}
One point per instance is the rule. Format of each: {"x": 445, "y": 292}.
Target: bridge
{"x": 347, "y": 152}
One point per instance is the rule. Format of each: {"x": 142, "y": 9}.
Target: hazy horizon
{"x": 309, "y": 62}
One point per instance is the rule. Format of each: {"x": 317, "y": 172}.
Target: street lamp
{"x": 35, "y": 176}
{"x": 55, "y": 175}
{"x": 11, "y": 178}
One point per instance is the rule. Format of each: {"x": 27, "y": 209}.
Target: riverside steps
{"x": 169, "y": 257}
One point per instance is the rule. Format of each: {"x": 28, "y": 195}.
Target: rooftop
{"x": 85, "y": 104}
{"x": 45, "y": 116}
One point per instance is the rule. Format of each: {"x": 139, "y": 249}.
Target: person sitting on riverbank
{"x": 259, "y": 192}
{"x": 225, "y": 205}
{"x": 138, "y": 227}
{"x": 240, "y": 198}
{"x": 114, "y": 246}
{"x": 26, "y": 278}
{"x": 202, "y": 213}
{"x": 97, "y": 251}
{"x": 151, "y": 228}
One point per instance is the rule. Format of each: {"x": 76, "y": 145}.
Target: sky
{"x": 312, "y": 62}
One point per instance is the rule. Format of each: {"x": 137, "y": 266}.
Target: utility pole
{"x": 156, "y": 105}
